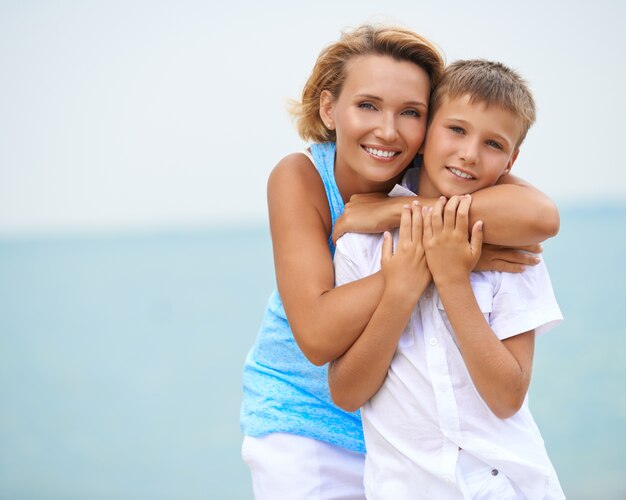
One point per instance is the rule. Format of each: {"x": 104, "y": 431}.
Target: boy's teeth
{"x": 460, "y": 174}
{"x": 381, "y": 153}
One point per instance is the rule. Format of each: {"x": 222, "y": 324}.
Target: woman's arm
{"x": 324, "y": 320}
{"x": 514, "y": 213}
{"x": 357, "y": 375}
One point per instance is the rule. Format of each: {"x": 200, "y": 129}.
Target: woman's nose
{"x": 387, "y": 129}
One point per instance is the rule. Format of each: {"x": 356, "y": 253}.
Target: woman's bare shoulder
{"x": 295, "y": 184}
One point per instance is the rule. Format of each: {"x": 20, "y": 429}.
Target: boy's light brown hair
{"x": 329, "y": 72}
{"x": 488, "y": 82}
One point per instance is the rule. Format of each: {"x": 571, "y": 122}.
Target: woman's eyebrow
{"x": 377, "y": 98}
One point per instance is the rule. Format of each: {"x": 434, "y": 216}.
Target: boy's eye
{"x": 457, "y": 130}
{"x": 495, "y": 144}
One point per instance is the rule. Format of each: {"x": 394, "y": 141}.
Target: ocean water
{"x": 120, "y": 361}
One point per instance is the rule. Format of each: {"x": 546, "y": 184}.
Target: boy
{"x": 442, "y": 369}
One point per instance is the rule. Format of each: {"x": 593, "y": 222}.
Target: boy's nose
{"x": 469, "y": 152}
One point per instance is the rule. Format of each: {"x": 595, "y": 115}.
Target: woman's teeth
{"x": 380, "y": 153}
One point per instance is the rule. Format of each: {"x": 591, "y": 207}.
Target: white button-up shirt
{"x": 428, "y": 407}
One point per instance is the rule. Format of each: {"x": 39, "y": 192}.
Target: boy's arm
{"x": 500, "y": 370}
{"x": 514, "y": 213}
{"x": 357, "y": 375}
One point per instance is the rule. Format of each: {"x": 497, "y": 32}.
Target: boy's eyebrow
{"x": 406, "y": 103}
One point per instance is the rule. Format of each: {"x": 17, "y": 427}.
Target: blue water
{"x": 120, "y": 361}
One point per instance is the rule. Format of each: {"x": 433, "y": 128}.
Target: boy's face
{"x": 468, "y": 147}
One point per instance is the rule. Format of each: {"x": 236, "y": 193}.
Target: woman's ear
{"x": 327, "y": 105}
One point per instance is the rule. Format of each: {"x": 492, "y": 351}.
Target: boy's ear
{"x": 327, "y": 104}
{"x": 509, "y": 165}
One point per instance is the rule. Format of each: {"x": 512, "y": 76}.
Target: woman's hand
{"x": 370, "y": 213}
{"x": 507, "y": 259}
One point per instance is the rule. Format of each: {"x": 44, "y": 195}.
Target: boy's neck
{"x": 425, "y": 188}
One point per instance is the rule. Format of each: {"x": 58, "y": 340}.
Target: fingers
{"x": 476, "y": 240}
{"x": 532, "y": 248}
{"x": 417, "y": 222}
{"x": 405, "y": 225}
{"x": 387, "y": 251}
{"x": 515, "y": 256}
{"x": 338, "y": 230}
{"x": 462, "y": 213}
{"x": 505, "y": 267}
{"x": 449, "y": 213}
{"x": 427, "y": 223}
{"x": 455, "y": 213}
{"x": 437, "y": 215}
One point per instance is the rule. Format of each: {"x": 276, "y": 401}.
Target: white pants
{"x": 479, "y": 481}
{"x": 290, "y": 467}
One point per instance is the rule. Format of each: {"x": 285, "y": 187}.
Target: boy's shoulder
{"x": 529, "y": 282}
{"x": 360, "y": 245}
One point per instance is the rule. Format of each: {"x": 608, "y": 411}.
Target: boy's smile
{"x": 468, "y": 147}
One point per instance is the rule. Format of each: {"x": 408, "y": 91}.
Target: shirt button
{"x": 494, "y": 472}
{"x": 433, "y": 341}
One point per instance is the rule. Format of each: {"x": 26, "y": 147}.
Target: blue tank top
{"x": 282, "y": 390}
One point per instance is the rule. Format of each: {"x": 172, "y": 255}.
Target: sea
{"x": 121, "y": 358}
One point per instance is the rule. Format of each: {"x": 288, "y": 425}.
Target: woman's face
{"x": 380, "y": 121}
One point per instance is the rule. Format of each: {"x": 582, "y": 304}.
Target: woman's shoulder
{"x": 296, "y": 165}
{"x": 296, "y": 170}
{"x": 295, "y": 181}
{"x": 295, "y": 189}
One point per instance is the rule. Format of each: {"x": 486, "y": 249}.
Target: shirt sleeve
{"x": 523, "y": 302}
{"x": 346, "y": 267}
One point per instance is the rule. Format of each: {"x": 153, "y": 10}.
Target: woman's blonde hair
{"x": 329, "y": 72}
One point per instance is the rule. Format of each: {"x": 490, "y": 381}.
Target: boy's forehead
{"x": 467, "y": 102}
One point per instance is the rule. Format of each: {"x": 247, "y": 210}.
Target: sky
{"x": 128, "y": 115}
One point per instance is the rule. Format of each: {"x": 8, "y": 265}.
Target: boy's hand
{"x": 450, "y": 256}
{"x": 405, "y": 271}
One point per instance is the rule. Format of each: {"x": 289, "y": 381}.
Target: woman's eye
{"x": 366, "y": 105}
{"x": 457, "y": 130}
{"x": 412, "y": 112}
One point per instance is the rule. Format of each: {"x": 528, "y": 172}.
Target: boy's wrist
{"x": 400, "y": 298}
{"x": 452, "y": 282}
